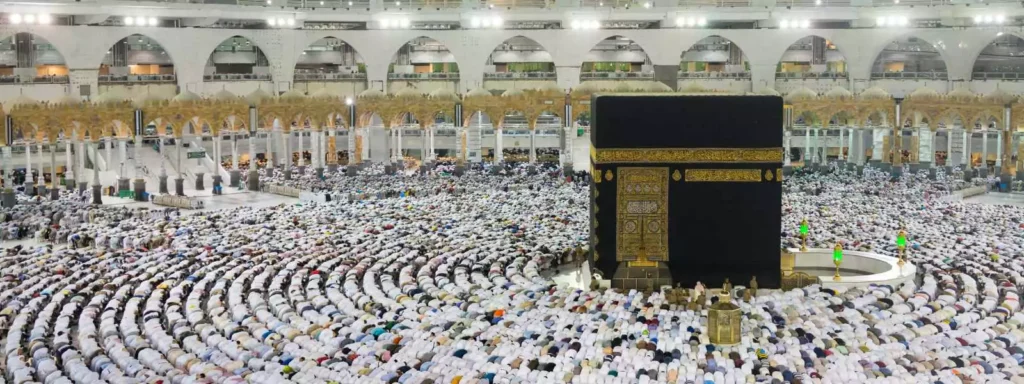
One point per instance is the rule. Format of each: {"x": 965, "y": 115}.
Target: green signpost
{"x": 197, "y": 155}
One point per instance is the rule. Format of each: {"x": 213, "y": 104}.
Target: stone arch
{"x": 542, "y": 56}
{"x": 704, "y": 51}
{"x": 245, "y": 43}
{"x": 53, "y": 65}
{"x": 997, "y": 57}
{"x": 141, "y": 39}
{"x": 878, "y": 65}
{"x": 338, "y": 50}
{"x": 448, "y": 54}
{"x": 812, "y": 40}
{"x": 615, "y": 43}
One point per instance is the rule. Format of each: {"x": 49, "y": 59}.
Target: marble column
{"x": 984, "y": 151}
{"x": 533, "y": 146}
{"x": 41, "y": 181}
{"x": 108, "y": 149}
{"x": 787, "y": 137}
{"x": 302, "y": 154}
{"x": 807, "y": 146}
{"x": 499, "y": 149}
{"x": 97, "y": 189}
{"x": 999, "y": 149}
{"x": 28, "y": 165}
{"x": 842, "y": 144}
{"x": 849, "y": 146}
{"x": 398, "y": 144}
{"x": 433, "y": 149}
{"x": 287, "y": 155}
{"x": 54, "y": 183}
{"x": 949, "y": 147}
{"x": 967, "y": 150}
{"x": 69, "y": 168}
{"x": 234, "y": 152}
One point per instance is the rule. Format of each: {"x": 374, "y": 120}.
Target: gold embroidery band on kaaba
{"x": 723, "y": 175}
{"x": 685, "y": 155}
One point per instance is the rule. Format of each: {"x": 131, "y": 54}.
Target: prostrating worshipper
{"x": 440, "y": 279}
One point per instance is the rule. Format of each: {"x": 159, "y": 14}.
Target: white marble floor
{"x": 997, "y": 198}
{"x": 211, "y": 202}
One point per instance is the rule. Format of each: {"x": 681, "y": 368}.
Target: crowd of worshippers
{"x": 443, "y": 288}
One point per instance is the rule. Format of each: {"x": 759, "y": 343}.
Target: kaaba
{"x": 686, "y": 189}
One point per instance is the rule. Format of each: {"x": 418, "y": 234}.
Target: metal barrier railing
{"x": 910, "y": 75}
{"x": 12, "y": 79}
{"x": 236, "y": 77}
{"x": 329, "y": 76}
{"x": 520, "y": 75}
{"x": 998, "y": 76}
{"x": 810, "y": 75}
{"x": 137, "y": 79}
{"x": 513, "y": 4}
{"x": 617, "y": 75}
{"x": 714, "y": 75}
{"x": 424, "y": 76}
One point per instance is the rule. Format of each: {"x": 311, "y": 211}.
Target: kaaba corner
{"x": 686, "y": 189}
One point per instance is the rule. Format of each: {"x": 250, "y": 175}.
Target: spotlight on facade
{"x": 30, "y": 19}
{"x": 903, "y": 21}
{"x": 680, "y": 22}
{"x": 404, "y": 23}
{"x": 575, "y": 24}
{"x": 475, "y": 22}
{"x": 702, "y": 22}
{"x": 784, "y": 24}
{"x": 44, "y": 19}
{"x": 348, "y": 101}
{"x": 128, "y": 20}
{"x": 880, "y": 21}
{"x": 497, "y": 22}
{"x": 987, "y": 19}
{"x": 647, "y": 5}
{"x": 271, "y": 22}
{"x": 152, "y": 21}
{"x": 1000, "y": 18}
{"x": 350, "y": 3}
{"x": 805, "y": 24}
{"x": 291, "y": 22}
{"x": 817, "y": 2}
{"x": 594, "y": 24}
{"x": 486, "y": 23}
{"x": 385, "y": 23}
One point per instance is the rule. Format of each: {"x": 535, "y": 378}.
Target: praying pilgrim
{"x": 450, "y": 271}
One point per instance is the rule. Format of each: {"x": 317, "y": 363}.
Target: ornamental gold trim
{"x": 686, "y": 155}
{"x": 723, "y": 175}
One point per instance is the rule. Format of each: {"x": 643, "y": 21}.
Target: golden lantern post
{"x": 837, "y": 259}
{"x": 901, "y": 245}
{"x": 804, "y": 229}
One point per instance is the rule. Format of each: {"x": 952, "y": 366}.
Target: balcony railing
{"x": 910, "y": 75}
{"x": 520, "y": 75}
{"x": 714, "y": 75}
{"x": 35, "y": 80}
{"x": 329, "y": 76}
{"x": 236, "y": 77}
{"x": 330, "y": 4}
{"x": 810, "y": 75}
{"x": 998, "y": 76}
{"x": 503, "y": 4}
{"x": 137, "y": 79}
{"x": 424, "y": 76}
{"x": 617, "y": 75}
